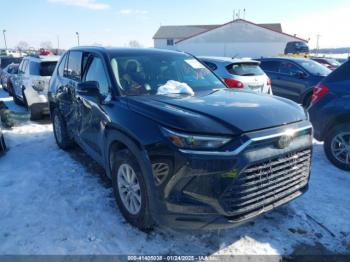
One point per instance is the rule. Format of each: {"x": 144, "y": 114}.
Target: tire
{"x": 17, "y": 100}
{"x": 10, "y": 88}
{"x": 139, "y": 217}
{"x": 35, "y": 113}
{"x": 307, "y": 101}
{"x": 63, "y": 140}
{"x": 2, "y": 144}
{"x": 333, "y": 145}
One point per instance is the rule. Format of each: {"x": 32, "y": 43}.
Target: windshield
{"x": 245, "y": 69}
{"x": 146, "y": 74}
{"x": 315, "y": 68}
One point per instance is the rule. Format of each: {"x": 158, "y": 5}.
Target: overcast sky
{"x": 116, "y": 22}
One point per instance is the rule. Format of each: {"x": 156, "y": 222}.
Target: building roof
{"x": 185, "y": 31}
{"x": 244, "y": 21}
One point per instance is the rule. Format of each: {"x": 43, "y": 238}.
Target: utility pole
{"x": 234, "y": 14}
{"x": 318, "y": 43}
{"x": 4, "y": 31}
{"x": 77, "y": 33}
{"x": 244, "y": 13}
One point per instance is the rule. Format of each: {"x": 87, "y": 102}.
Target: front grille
{"x": 262, "y": 186}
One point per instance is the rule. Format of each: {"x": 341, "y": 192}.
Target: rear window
{"x": 340, "y": 74}
{"x": 42, "y": 69}
{"x": 245, "y": 69}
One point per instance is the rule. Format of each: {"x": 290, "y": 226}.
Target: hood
{"x": 223, "y": 111}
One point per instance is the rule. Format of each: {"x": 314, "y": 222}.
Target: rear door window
{"x": 62, "y": 68}
{"x": 96, "y": 72}
{"x": 245, "y": 69}
{"x": 74, "y": 65}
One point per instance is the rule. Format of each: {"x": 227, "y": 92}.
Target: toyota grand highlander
{"x": 181, "y": 148}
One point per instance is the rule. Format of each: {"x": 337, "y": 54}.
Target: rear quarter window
{"x": 245, "y": 69}
{"x": 271, "y": 66}
{"x": 341, "y": 74}
{"x": 211, "y": 66}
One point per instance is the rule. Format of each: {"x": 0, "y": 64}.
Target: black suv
{"x": 180, "y": 147}
{"x": 296, "y": 47}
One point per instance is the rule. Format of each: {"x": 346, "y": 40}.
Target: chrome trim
{"x": 246, "y": 144}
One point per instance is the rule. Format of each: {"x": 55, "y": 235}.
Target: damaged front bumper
{"x": 228, "y": 188}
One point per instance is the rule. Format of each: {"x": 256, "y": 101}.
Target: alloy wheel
{"x": 129, "y": 189}
{"x": 340, "y": 147}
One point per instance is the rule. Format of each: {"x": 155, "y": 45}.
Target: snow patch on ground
{"x": 52, "y": 204}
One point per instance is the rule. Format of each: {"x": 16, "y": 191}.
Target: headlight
{"x": 189, "y": 141}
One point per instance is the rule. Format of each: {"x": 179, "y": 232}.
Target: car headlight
{"x": 190, "y": 141}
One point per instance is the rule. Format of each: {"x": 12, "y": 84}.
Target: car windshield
{"x": 245, "y": 69}
{"x": 162, "y": 74}
{"x": 315, "y": 68}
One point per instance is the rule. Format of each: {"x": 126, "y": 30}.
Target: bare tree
{"x": 46, "y": 45}
{"x": 22, "y": 46}
{"x": 134, "y": 43}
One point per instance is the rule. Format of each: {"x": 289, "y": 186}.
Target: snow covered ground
{"x": 53, "y": 203}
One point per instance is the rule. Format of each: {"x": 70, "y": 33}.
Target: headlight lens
{"x": 189, "y": 141}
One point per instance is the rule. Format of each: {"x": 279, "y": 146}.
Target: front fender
{"x": 112, "y": 136}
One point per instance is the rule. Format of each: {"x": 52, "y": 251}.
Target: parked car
{"x": 330, "y": 115}
{"x": 2, "y": 140}
{"x": 31, "y": 87}
{"x": 6, "y": 60}
{"x": 8, "y": 76}
{"x": 331, "y": 63}
{"x": 294, "y": 78}
{"x": 181, "y": 148}
{"x": 296, "y": 47}
{"x": 239, "y": 73}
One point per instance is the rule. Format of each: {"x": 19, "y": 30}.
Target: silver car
{"x": 32, "y": 83}
{"x": 244, "y": 74}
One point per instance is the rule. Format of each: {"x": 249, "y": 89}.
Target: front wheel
{"x": 337, "y": 146}
{"x": 130, "y": 190}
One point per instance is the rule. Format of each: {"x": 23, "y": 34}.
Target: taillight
{"x": 232, "y": 83}
{"x": 269, "y": 82}
{"x": 319, "y": 91}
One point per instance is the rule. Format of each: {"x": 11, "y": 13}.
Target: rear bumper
{"x": 35, "y": 97}
{"x": 221, "y": 191}
{"x": 41, "y": 107}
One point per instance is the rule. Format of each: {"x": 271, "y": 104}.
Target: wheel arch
{"x": 116, "y": 140}
{"x": 335, "y": 121}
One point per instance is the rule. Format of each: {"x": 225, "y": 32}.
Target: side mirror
{"x": 88, "y": 88}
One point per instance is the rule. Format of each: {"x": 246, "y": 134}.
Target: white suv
{"x": 31, "y": 86}
{"x": 244, "y": 74}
